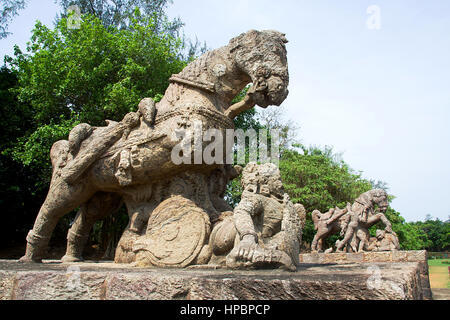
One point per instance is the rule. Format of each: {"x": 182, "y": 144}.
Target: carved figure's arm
{"x": 336, "y": 216}
{"x": 249, "y": 206}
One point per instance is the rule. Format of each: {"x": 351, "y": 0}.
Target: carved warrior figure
{"x": 130, "y": 161}
{"x": 266, "y": 228}
{"x": 384, "y": 241}
{"x": 327, "y": 224}
{"x": 353, "y": 222}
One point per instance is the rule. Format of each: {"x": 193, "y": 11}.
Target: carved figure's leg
{"x": 97, "y": 208}
{"x": 362, "y": 244}
{"x": 317, "y": 243}
{"x": 61, "y": 199}
{"x": 348, "y": 235}
{"x": 320, "y": 248}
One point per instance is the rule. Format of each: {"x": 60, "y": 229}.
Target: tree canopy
{"x": 119, "y": 13}
{"x": 89, "y": 75}
{"x": 10, "y": 9}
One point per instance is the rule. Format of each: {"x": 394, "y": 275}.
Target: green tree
{"x": 19, "y": 197}
{"x": 319, "y": 179}
{"x": 89, "y": 75}
{"x": 10, "y": 9}
{"x": 437, "y": 234}
{"x": 119, "y": 13}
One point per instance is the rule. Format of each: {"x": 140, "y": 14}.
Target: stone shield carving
{"x": 176, "y": 233}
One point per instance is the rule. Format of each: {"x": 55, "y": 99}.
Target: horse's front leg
{"x": 61, "y": 199}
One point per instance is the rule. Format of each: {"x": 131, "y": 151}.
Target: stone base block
{"x": 108, "y": 281}
{"x": 395, "y": 258}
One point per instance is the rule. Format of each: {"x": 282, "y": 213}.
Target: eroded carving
{"x": 353, "y": 223}
{"x": 172, "y": 207}
{"x": 266, "y": 227}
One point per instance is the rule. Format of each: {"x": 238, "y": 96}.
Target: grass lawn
{"x": 439, "y": 275}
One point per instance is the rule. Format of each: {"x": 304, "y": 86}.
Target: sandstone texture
{"x": 150, "y": 163}
{"x": 108, "y": 281}
{"x": 367, "y": 259}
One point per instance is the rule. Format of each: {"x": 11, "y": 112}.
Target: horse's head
{"x": 380, "y": 198}
{"x": 261, "y": 55}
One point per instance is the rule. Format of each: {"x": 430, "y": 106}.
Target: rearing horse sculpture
{"x": 353, "y": 222}
{"x": 130, "y": 161}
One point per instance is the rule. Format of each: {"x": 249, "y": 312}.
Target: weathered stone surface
{"x": 417, "y": 255}
{"x": 377, "y": 256}
{"x": 268, "y": 226}
{"x": 333, "y": 257}
{"x": 151, "y": 286}
{"x": 113, "y": 281}
{"x": 355, "y": 257}
{"x": 138, "y": 161}
{"x": 310, "y": 258}
{"x": 384, "y": 256}
{"x": 399, "y": 256}
{"x": 6, "y": 284}
{"x": 367, "y": 259}
{"x": 50, "y": 285}
{"x": 441, "y": 294}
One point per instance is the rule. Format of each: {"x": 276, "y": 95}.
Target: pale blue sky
{"x": 379, "y": 96}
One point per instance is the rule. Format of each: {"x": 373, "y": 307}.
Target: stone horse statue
{"x": 353, "y": 222}
{"x": 130, "y": 161}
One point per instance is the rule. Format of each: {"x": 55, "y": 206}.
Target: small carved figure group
{"x": 354, "y": 222}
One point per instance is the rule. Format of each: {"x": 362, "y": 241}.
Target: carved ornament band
{"x": 200, "y": 85}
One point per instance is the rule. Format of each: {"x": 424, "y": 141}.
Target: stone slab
{"x": 368, "y": 258}
{"x": 109, "y": 281}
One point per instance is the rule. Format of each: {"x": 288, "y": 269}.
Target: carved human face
{"x": 275, "y": 186}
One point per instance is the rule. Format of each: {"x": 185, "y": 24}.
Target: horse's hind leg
{"x": 61, "y": 199}
{"x": 97, "y": 208}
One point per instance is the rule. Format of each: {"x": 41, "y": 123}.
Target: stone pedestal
{"x": 108, "y": 281}
{"x": 393, "y": 258}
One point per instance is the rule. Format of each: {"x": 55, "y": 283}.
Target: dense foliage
{"x": 436, "y": 234}
{"x": 89, "y": 75}
{"x": 9, "y": 9}
{"x": 118, "y": 13}
{"x": 67, "y": 76}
